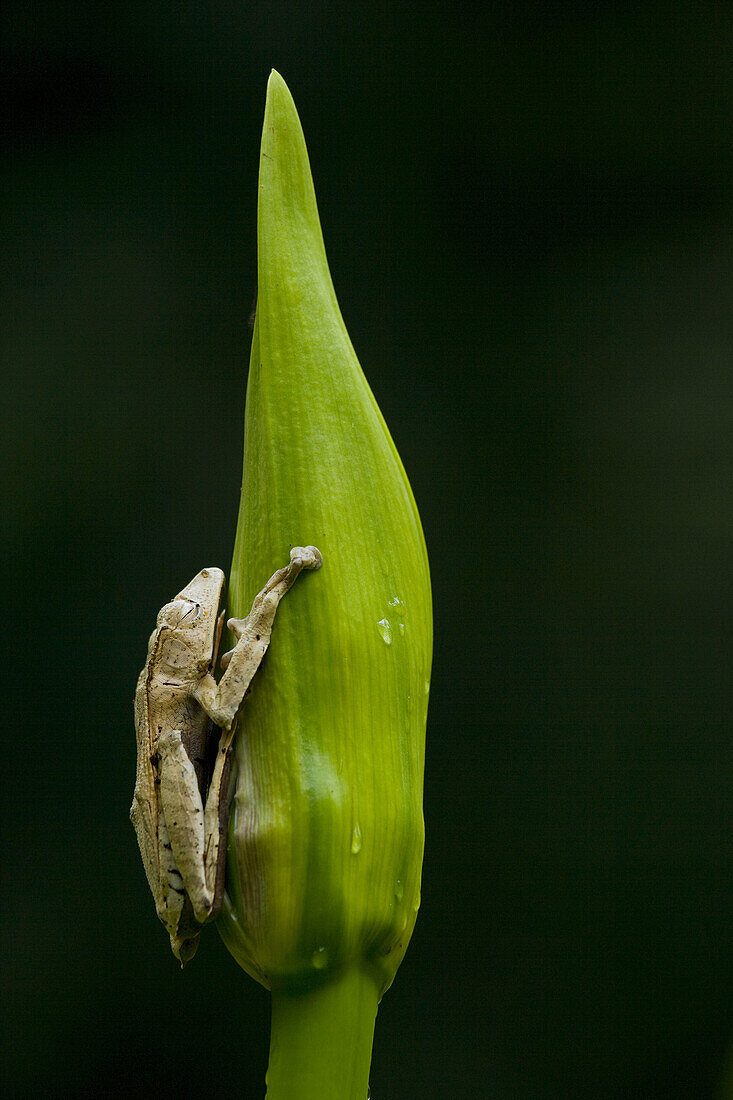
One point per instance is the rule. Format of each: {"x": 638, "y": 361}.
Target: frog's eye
{"x": 175, "y": 655}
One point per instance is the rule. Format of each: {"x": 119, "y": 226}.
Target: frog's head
{"x": 191, "y": 634}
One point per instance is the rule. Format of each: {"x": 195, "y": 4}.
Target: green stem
{"x": 321, "y": 1040}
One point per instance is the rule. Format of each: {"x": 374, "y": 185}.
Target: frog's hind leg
{"x": 172, "y": 892}
{"x": 175, "y": 908}
{"x": 183, "y": 811}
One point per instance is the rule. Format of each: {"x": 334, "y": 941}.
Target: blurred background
{"x": 528, "y": 211}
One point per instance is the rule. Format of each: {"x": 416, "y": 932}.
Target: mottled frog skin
{"x": 180, "y": 808}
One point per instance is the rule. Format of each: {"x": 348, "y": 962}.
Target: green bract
{"x": 326, "y": 834}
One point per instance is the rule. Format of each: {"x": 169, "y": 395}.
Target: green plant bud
{"x": 326, "y": 833}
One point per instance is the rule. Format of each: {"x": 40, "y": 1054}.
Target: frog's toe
{"x": 307, "y": 557}
{"x": 184, "y": 948}
{"x": 237, "y": 628}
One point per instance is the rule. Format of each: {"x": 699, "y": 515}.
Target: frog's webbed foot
{"x": 184, "y": 943}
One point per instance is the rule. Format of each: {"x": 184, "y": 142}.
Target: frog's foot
{"x": 184, "y": 949}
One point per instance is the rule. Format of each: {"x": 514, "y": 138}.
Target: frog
{"x": 180, "y": 807}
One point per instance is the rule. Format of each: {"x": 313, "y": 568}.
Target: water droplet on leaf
{"x": 320, "y": 958}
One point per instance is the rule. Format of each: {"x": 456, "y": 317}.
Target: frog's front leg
{"x": 222, "y": 701}
{"x": 194, "y": 831}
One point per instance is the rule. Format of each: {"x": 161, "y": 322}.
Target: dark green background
{"x": 528, "y": 214}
